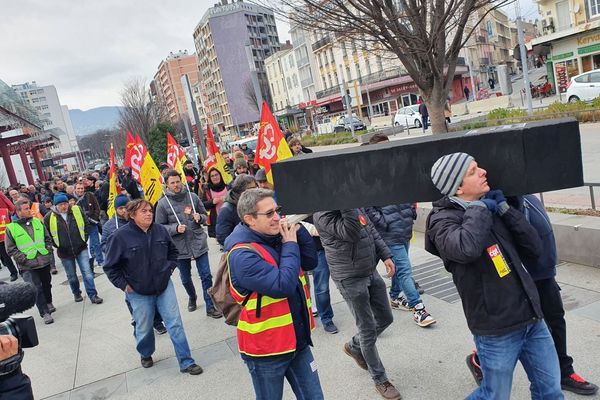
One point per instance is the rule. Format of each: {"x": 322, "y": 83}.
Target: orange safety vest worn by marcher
{"x": 266, "y": 327}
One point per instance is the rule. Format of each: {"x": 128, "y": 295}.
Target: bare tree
{"x": 250, "y": 94}
{"x": 424, "y": 35}
{"x": 98, "y": 143}
{"x": 139, "y": 113}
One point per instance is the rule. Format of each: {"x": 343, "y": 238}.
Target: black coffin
{"x": 525, "y": 158}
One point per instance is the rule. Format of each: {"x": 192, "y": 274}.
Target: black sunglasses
{"x": 269, "y": 214}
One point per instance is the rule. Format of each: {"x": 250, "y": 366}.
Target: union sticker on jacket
{"x": 187, "y": 210}
{"x": 499, "y": 261}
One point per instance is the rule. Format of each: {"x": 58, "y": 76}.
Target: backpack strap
{"x": 265, "y": 255}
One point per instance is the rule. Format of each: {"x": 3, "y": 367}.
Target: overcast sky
{"x": 89, "y": 48}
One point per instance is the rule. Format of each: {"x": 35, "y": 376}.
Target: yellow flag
{"x": 112, "y": 184}
{"x": 151, "y": 179}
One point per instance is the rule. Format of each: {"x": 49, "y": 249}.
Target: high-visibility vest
{"x": 4, "y": 220}
{"x": 272, "y": 332}
{"x": 78, "y": 219}
{"x": 26, "y": 245}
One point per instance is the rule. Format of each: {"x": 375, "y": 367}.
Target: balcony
{"x": 321, "y": 43}
{"x": 328, "y": 92}
{"x": 380, "y": 76}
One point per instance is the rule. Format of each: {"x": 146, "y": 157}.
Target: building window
{"x": 594, "y": 7}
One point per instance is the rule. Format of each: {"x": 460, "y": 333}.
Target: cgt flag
{"x": 113, "y": 186}
{"x": 272, "y": 146}
{"x": 175, "y": 156}
{"x": 137, "y": 158}
{"x": 128, "y": 150}
{"x": 214, "y": 159}
{"x": 150, "y": 177}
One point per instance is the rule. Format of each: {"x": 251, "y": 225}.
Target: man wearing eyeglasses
{"x": 267, "y": 257}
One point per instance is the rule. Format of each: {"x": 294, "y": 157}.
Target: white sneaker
{"x": 400, "y": 303}
{"x": 422, "y": 317}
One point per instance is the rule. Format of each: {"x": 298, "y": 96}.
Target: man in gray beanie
{"x": 480, "y": 239}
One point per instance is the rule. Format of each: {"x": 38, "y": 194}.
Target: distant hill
{"x": 88, "y": 122}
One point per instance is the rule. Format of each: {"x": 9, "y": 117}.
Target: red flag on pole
{"x": 271, "y": 146}
{"x": 128, "y": 149}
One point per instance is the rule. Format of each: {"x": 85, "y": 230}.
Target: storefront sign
{"x": 589, "y": 49}
{"x": 404, "y": 88}
{"x": 588, "y": 39}
{"x": 562, "y": 56}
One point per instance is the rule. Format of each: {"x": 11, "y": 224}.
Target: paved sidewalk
{"x": 89, "y": 352}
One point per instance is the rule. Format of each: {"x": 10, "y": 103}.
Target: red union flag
{"x": 271, "y": 146}
{"x": 138, "y": 152}
{"x": 128, "y": 149}
{"x": 175, "y": 156}
{"x": 214, "y": 159}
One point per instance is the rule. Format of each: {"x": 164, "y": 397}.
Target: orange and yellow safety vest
{"x": 272, "y": 331}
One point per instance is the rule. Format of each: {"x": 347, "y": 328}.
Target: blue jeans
{"x": 96, "y": 250}
{"x": 298, "y": 368}
{"x": 498, "y": 356}
{"x": 86, "y": 272}
{"x": 143, "y": 314}
{"x": 321, "y": 280}
{"x": 425, "y": 119}
{"x": 402, "y": 281}
{"x": 203, "y": 267}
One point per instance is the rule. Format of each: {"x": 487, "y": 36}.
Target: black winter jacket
{"x": 353, "y": 247}
{"x": 70, "y": 242}
{"x": 492, "y": 305}
{"x": 394, "y": 223}
{"x": 227, "y": 220}
{"x": 142, "y": 260}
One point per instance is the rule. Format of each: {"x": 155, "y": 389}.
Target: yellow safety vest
{"x": 78, "y": 218}
{"x": 26, "y": 245}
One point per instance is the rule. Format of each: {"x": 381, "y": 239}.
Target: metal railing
{"x": 591, "y": 187}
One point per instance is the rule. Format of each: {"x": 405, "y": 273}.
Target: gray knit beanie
{"x": 448, "y": 172}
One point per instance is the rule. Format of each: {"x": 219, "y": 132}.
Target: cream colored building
{"x": 569, "y": 38}
{"x": 284, "y": 81}
{"x": 490, "y": 45}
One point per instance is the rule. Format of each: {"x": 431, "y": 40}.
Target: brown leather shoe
{"x": 360, "y": 360}
{"x": 388, "y": 391}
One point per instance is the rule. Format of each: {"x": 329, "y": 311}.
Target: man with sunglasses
{"x": 266, "y": 258}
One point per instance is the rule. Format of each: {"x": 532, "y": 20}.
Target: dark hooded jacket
{"x": 493, "y": 305}
{"x": 228, "y": 217}
{"x": 353, "y": 247}
{"x": 394, "y": 223}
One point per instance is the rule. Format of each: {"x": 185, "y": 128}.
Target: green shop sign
{"x": 589, "y": 49}
{"x": 562, "y": 56}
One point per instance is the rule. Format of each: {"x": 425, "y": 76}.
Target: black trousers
{"x": 6, "y": 260}
{"x": 15, "y": 386}
{"x": 554, "y": 314}
{"x": 42, "y": 280}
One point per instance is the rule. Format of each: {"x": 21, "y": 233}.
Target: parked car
{"x": 343, "y": 124}
{"x": 408, "y": 117}
{"x": 584, "y": 87}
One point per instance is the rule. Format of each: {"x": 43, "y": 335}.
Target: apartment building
{"x": 490, "y": 45}
{"x": 55, "y": 118}
{"x": 232, "y": 41}
{"x": 167, "y": 86}
{"x": 569, "y": 39}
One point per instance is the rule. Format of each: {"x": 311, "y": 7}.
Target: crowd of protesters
{"x": 500, "y": 251}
